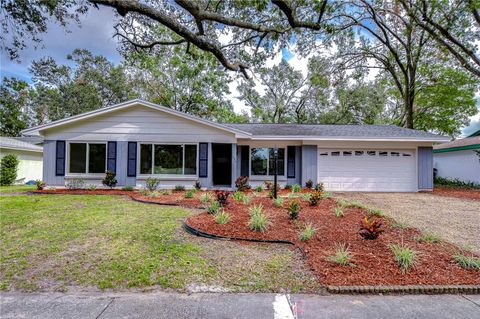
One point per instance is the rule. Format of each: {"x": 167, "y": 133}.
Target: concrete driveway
{"x": 456, "y": 220}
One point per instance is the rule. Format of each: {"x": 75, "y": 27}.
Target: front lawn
{"x": 60, "y": 242}
{"x": 16, "y": 188}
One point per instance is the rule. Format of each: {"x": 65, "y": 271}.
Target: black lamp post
{"x": 275, "y": 171}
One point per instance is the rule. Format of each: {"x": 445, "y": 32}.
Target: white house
{"x": 459, "y": 159}
{"x": 30, "y": 156}
{"x": 138, "y": 139}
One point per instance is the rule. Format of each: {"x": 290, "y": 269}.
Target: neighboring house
{"x": 30, "y": 157}
{"x": 459, "y": 159}
{"x": 138, "y": 139}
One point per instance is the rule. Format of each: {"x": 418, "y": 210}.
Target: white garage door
{"x": 367, "y": 170}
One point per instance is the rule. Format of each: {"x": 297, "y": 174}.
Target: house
{"x": 138, "y": 139}
{"x": 29, "y": 154}
{"x": 459, "y": 159}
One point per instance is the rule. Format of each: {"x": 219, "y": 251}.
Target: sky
{"x": 95, "y": 34}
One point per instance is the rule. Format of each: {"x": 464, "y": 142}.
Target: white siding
{"x": 139, "y": 123}
{"x": 30, "y": 166}
{"x": 464, "y": 165}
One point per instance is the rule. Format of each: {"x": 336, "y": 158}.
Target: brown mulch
{"x": 373, "y": 261}
{"x": 473, "y": 194}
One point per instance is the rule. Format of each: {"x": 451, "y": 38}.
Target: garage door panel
{"x": 393, "y": 172}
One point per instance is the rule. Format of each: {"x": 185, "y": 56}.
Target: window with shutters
{"x": 262, "y": 161}
{"x": 168, "y": 159}
{"x": 87, "y": 158}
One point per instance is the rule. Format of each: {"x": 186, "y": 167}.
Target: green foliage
{"x": 127, "y": 188}
{"x": 75, "y": 183}
{"x": 278, "y": 202}
{"x": 342, "y": 255}
{"x": 296, "y": 188}
{"x": 213, "y": 208}
{"x": 92, "y": 187}
{"x": 259, "y": 188}
{"x": 319, "y": 187}
{"x": 315, "y": 198}
{"x": 293, "y": 209}
{"x": 241, "y": 183}
{"x": 205, "y": 198}
{"x": 405, "y": 256}
{"x": 307, "y": 232}
{"x": 338, "y": 212}
{"x": 152, "y": 183}
{"x": 306, "y": 196}
{"x": 197, "y": 185}
{"x": 258, "y": 221}
{"x": 179, "y": 188}
{"x": 256, "y": 209}
{"x": 455, "y": 183}
{"x": 429, "y": 238}
{"x": 375, "y": 212}
{"x": 13, "y": 102}
{"x": 326, "y": 195}
{"x": 153, "y": 194}
{"x": 39, "y": 184}
{"x": 166, "y": 192}
{"x": 144, "y": 192}
{"x": 8, "y": 169}
{"x": 238, "y": 196}
{"x": 247, "y": 199}
{"x": 110, "y": 180}
{"x": 351, "y": 204}
{"x": 287, "y": 187}
{"x": 467, "y": 262}
{"x": 190, "y": 193}
{"x": 222, "y": 217}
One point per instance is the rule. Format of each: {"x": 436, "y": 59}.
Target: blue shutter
{"x": 291, "y": 161}
{"x": 112, "y": 157}
{"x": 244, "y": 171}
{"x": 132, "y": 159}
{"x": 60, "y": 159}
{"x": 203, "y": 160}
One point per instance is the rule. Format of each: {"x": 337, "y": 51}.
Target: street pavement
{"x": 225, "y": 305}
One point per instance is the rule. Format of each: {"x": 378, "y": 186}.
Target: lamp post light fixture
{"x": 275, "y": 171}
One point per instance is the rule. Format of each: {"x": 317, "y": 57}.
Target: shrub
{"x": 315, "y": 198}
{"x": 166, "y": 192}
{"x": 205, "y": 198}
{"x": 190, "y": 193}
{"x": 259, "y": 188}
{"x": 110, "y": 180}
{"x": 247, "y": 199}
{"x": 152, "y": 183}
{"x": 92, "y": 187}
{"x": 153, "y": 194}
{"x": 405, "y": 256}
{"x": 197, "y": 185}
{"x": 428, "y": 237}
{"x": 287, "y": 186}
{"x": 296, "y": 188}
{"x": 307, "y": 232}
{"x": 319, "y": 187}
{"x": 342, "y": 255}
{"x": 455, "y": 183}
{"x": 293, "y": 209}
{"x": 309, "y": 184}
{"x": 467, "y": 262}
{"x": 370, "y": 229}
{"x": 144, "y": 192}
{"x": 338, "y": 212}
{"x": 326, "y": 195}
{"x": 8, "y": 169}
{"x": 179, "y": 188}
{"x": 222, "y": 197}
{"x": 222, "y": 217}
{"x": 213, "y": 207}
{"x": 375, "y": 212}
{"x": 271, "y": 193}
{"x": 268, "y": 185}
{"x": 238, "y": 196}
{"x": 258, "y": 222}
{"x": 256, "y": 209}
{"x": 241, "y": 183}
{"x": 306, "y": 196}
{"x": 278, "y": 202}
{"x": 76, "y": 183}
{"x": 40, "y": 184}
{"x": 127, "y": 188}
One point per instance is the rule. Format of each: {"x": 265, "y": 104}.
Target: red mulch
{"x": 373, "y": 259}
{"x": 374, "y": 263}
{"x": 473, "y": 194}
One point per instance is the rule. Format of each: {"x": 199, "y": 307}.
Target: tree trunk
{"x": 408, "y": 103}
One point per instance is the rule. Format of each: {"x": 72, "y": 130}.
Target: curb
{"x": 408, "y": 289}
{"x": 197, "y": 232}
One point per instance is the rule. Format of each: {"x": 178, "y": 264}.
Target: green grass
{"x": 376, "y": 212}
{"x": 342, "y": 255}
{"x": 16, "y": 188}
{"x": 103, "y": 241}
{"x": 307, "y": 232}
{"x": 467, "y": 262}
{"x": 351, "y": 204}
{"x": 429, "y": 238}
{"x": 222, "y": 217}
{"x": 405, "y": 256}
{"x": 338, "y": 212}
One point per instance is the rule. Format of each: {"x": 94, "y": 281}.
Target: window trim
{"x": 87, "y": 173}
{"x": 268, "y": 161}
{"x": 172, "y": 176}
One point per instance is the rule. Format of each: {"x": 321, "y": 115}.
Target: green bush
{"x": 258, "y": 222}
{"x": 428, "y": 237}
{"x": 319, "y": 187}
{"x": 293, "y": 209}
{"x": 152, "y": 183}
{"x": 342, "y": 255}
{"x": 190, "y": 193}
{"x": 278, "y": 202}
{"x": 179, "y": 187}
{"x": 92, "y": 187}
{"x": 238, "y": 196}
{"x": 467, "y": 262}
{"x": 76, "y": 183}
{"x": 259, "y": 188}
{"x": 39, "y": 184}
{"x": 247, "y": 199}
{"x": 8, "y": 169}
{"x": 315, "y": 198}
{"x": 296, "y": 188}
{"x": 213, "y": 208}
{"x": 127, "y": 188}
{"x": 307, "y": 232}
{"x": 375, "y": 212}
{"x": 110, "y": 180}
{"x": 405, "y": 256}
{"x": 144, "y": 192}
{"x": 256, "y": 209}
{"x": 205, "y": 198}
{"x": 455, "y": 183}
{"x": 222, "y": 217}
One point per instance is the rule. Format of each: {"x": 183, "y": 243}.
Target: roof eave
{"x": 349, "y": 138}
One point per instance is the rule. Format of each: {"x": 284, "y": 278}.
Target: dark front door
{"x": 222, "y": 164}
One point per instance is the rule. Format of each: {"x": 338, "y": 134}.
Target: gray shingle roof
{"x": 320, "y": 130}
{"x": 12, "y": 143}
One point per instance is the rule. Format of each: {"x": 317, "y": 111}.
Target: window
{"x": 87, "y": 155}
{"x": 406, "y": 154}
{"x": 347, "y": 153}
{"x": 383, "y": 153}
{"x": 394, "y": 154}
{"x": 262, "y": 161}
{"x": 359, "y": 153}
{"x": 324, "y": 154}
{"x": 371, "y": 153}
{"x": 335, "y": 153}
{"x": 168, "y": 159}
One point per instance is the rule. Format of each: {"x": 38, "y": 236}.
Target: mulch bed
{"x": 373, "y": 261}
{"x": 473, "y": 194}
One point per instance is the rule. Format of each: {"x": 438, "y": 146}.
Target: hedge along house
{"x": 138, "y": 139}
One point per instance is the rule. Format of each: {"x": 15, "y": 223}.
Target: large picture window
{"x": 168, "y": 159}
{"x": 262, "y": 161}
{"x": 87, "y": 158}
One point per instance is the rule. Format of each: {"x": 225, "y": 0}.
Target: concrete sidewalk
{"x": 248, "y": 306}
